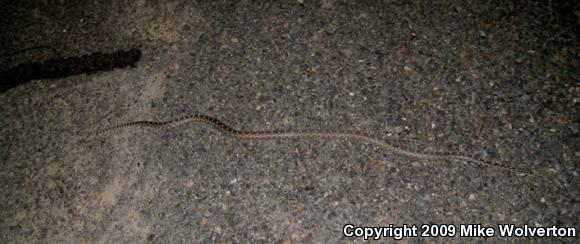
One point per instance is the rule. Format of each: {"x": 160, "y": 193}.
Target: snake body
{"x": 308, "y": 134}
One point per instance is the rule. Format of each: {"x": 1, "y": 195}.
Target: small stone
{"x": 259, "y": 236}
{"x": 217, "y": 229}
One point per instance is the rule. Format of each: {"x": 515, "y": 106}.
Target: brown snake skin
{"x": 310, "y": 134}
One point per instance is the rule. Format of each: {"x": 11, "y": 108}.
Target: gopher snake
{"x": 308, "y": 134}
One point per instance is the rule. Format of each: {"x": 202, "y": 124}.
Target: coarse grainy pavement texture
{"x": 494, "y": 79}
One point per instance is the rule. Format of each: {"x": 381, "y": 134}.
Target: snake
{"x": 310, "y": 134}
